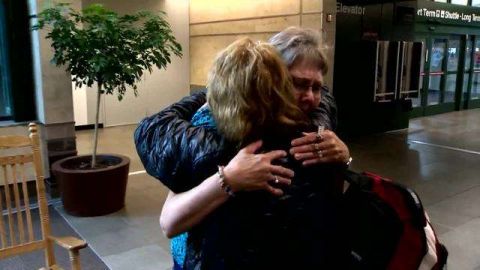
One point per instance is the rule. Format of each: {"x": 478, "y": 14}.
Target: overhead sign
{"x": 447, "y": 13}
{"x": 415, "y": 11}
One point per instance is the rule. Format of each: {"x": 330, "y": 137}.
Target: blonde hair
{"x": 250, "y": 92}
{"x": 296, "y": 44}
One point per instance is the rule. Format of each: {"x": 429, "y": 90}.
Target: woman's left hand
{"x": 315, "y": 148}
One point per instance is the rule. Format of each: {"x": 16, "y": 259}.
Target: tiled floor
{"x": 438, "y": 156}
{"x": 131, "y": 238}
{"x": 36, "y": 260}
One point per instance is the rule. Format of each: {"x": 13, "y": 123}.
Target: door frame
{"x": 467, "y": 103}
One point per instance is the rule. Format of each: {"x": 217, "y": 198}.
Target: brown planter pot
{"x": 92, "y": 192}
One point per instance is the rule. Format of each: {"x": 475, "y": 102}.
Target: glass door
{"x": 417, "y": 101}
{"x": 436, "y": 72}
{"x": 470, "y": 88}
{"x": 472, "y": 99}
{"x": 440, "y": 75}
{"x": 468, "y": 71}
{"x": 453, "y": 57}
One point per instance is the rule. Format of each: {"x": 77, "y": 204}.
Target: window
{"x": 5, "y": 88}
{"x": 473, "y": 3}
{"x": 460, "y": 2}
{"x": 17, "y": 90}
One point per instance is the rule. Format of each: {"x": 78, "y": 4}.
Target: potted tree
{"x": 99, "y": 47}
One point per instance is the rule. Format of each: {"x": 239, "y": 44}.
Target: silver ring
{"x": 316, "y": 146}
{"x": 319, "y": 135}
{"x": 319, "y": 153}
{"x": 276, "y": 180}
{"x": 320, "y": 129}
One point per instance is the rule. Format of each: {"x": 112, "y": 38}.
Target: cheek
{"x": 317, "y": 98}
{"x": 297, "y": 95}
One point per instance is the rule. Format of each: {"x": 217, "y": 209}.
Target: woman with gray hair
{"x": 301, "y": 52}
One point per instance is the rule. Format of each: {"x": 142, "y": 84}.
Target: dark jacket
{"x": 170, "y": 147}
{"x": 256, "y": 230}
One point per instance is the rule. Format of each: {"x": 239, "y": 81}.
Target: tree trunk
{"x": 95, "y": 137}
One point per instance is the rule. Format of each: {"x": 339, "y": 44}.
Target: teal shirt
{"x": 178, "y": 244}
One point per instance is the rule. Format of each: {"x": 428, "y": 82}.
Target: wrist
{"x": 231, "y": 179}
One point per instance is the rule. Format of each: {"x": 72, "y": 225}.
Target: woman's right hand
{"x": 248, "y": 171}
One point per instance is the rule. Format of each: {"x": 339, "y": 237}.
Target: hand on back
{"x": 249, "y": 171}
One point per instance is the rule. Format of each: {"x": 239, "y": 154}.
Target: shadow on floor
{"x": 35, "y": 260}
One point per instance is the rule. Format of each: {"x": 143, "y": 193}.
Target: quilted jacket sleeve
{"x": 168, "y": 144}
{"x": 326, "y": 113}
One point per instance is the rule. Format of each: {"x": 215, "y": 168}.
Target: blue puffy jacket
{"x": 170, "y": 148}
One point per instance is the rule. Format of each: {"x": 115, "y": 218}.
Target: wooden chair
{"x": 16, "y": 229}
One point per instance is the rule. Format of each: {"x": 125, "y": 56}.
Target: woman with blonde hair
{"x": 234, "y": 219}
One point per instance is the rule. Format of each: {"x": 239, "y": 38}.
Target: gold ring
{"x": 316, "y": 146}
{"x": 319, "y": 153}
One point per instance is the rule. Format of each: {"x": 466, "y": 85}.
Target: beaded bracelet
{"x": 226, "y": 187}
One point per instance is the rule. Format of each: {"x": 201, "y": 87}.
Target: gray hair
{"x": 297, "y": 44}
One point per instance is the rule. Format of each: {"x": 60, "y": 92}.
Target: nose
{"x": 308, "y": 95}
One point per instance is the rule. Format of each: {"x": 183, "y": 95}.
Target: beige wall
{"x": 53, "y": 84}
{"x": 216, "y": 23}
{"x": 156, "y": 90}
{"x": 53, "y": 97}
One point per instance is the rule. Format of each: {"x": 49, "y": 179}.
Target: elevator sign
{"x": 449, "y": 15}
{"x": 356, "y": 10}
